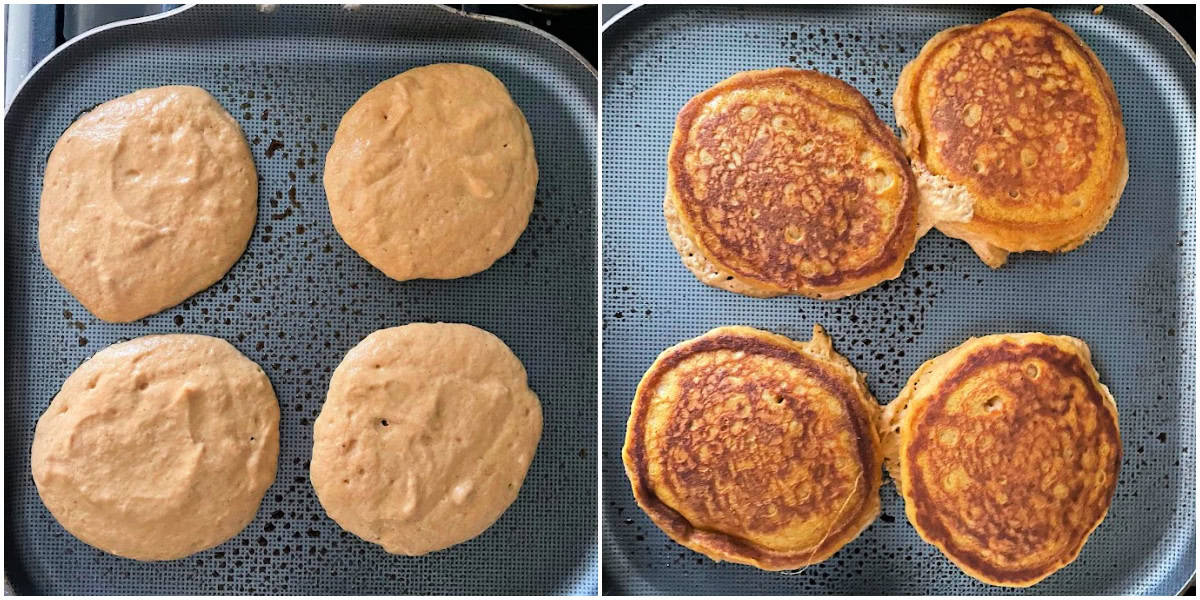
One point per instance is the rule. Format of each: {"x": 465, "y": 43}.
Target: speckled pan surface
{"x": 1128, "y": 292}
{"x": 300, "y": 298}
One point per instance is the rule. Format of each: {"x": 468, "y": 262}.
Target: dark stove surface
{"x": 36, "y": 30}
{"x": 574, "y": 24}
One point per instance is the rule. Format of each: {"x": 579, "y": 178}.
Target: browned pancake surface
{"x": 747, "y": 447}
{"x": 787, "y": 181}
{"x": 1020, "y": 113}
{"x": 1011, "y": 460}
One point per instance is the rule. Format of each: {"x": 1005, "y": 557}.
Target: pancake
{"x": 425, "y": 436}
{"x": 159, "y": 447}
{"x": 752, "y": 448}
{"x": 785, "y": 182}
{"x": 1006, "y": 450}
{"x": 146, "y": 200}
{"x": 1015, "y": 136}
{"x": 432, "y": 173}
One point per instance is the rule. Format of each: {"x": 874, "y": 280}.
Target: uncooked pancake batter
{"x": 425, "y": 436}
{"x": 432, "y": 173}
{"x": 147, "y": 199}
{"x": 159, "y": 447}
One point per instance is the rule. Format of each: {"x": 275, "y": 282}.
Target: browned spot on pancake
{"x": 775, "y": 190}
{"x": 776, "y": 193}
{"x": 746, "y": 474}
{"x": 744, "y": 451}
{"x": 1016, "y": 466}
{"x": 1011, "y": 115}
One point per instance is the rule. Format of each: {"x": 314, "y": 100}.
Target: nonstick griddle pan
{"x": 1128, "y": 292}
{"x": 300, "y": 298}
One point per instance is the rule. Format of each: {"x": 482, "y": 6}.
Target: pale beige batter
{"x": 147, "y": 199}
{"x": 432, "y": 173}
{"x": 159, "y": 447}
{"x": 425, "y": 436}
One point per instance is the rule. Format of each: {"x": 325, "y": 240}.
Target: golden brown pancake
{"x": 1015, "y": 136}
{"x": 749, "y": 447}
{"x": 785, "y": 182}
{"x": 1006, "y": 451}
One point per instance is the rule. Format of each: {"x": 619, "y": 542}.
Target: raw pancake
{"x": 146, "y": 200}
{"x": 425, "y": 436}
{"x": 1006, "y": 450}
{"x": 1015, "y": 136}
{"x": 785, "y": 182}
{"x": 159, "y": 447}
{"x": 749, "y": 447}
{"x": 432, "y": 173}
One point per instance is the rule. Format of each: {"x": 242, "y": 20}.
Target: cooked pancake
{"x": 432, "y": 173}
{"x": 785, "y": 182}
{"x": 159, "y": 447}
{"x": 147, "y": 199}
{"x": 1015, "y": 136}
{"x": 425, "y": 436}
{"x": 1006, "y": 451}
{"x": 749, "y": 447}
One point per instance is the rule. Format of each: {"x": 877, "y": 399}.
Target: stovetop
{"x": 33, "y": 31}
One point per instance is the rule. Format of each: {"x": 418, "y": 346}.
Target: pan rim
{"x": 181, "y": 9}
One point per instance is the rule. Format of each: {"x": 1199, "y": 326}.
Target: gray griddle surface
{"x": 1128, "y": 292}
{"x": 300, "y": 298}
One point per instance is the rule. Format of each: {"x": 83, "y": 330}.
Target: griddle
{"x": 299, "y": 298}
{"x": 1129, "y": 292}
